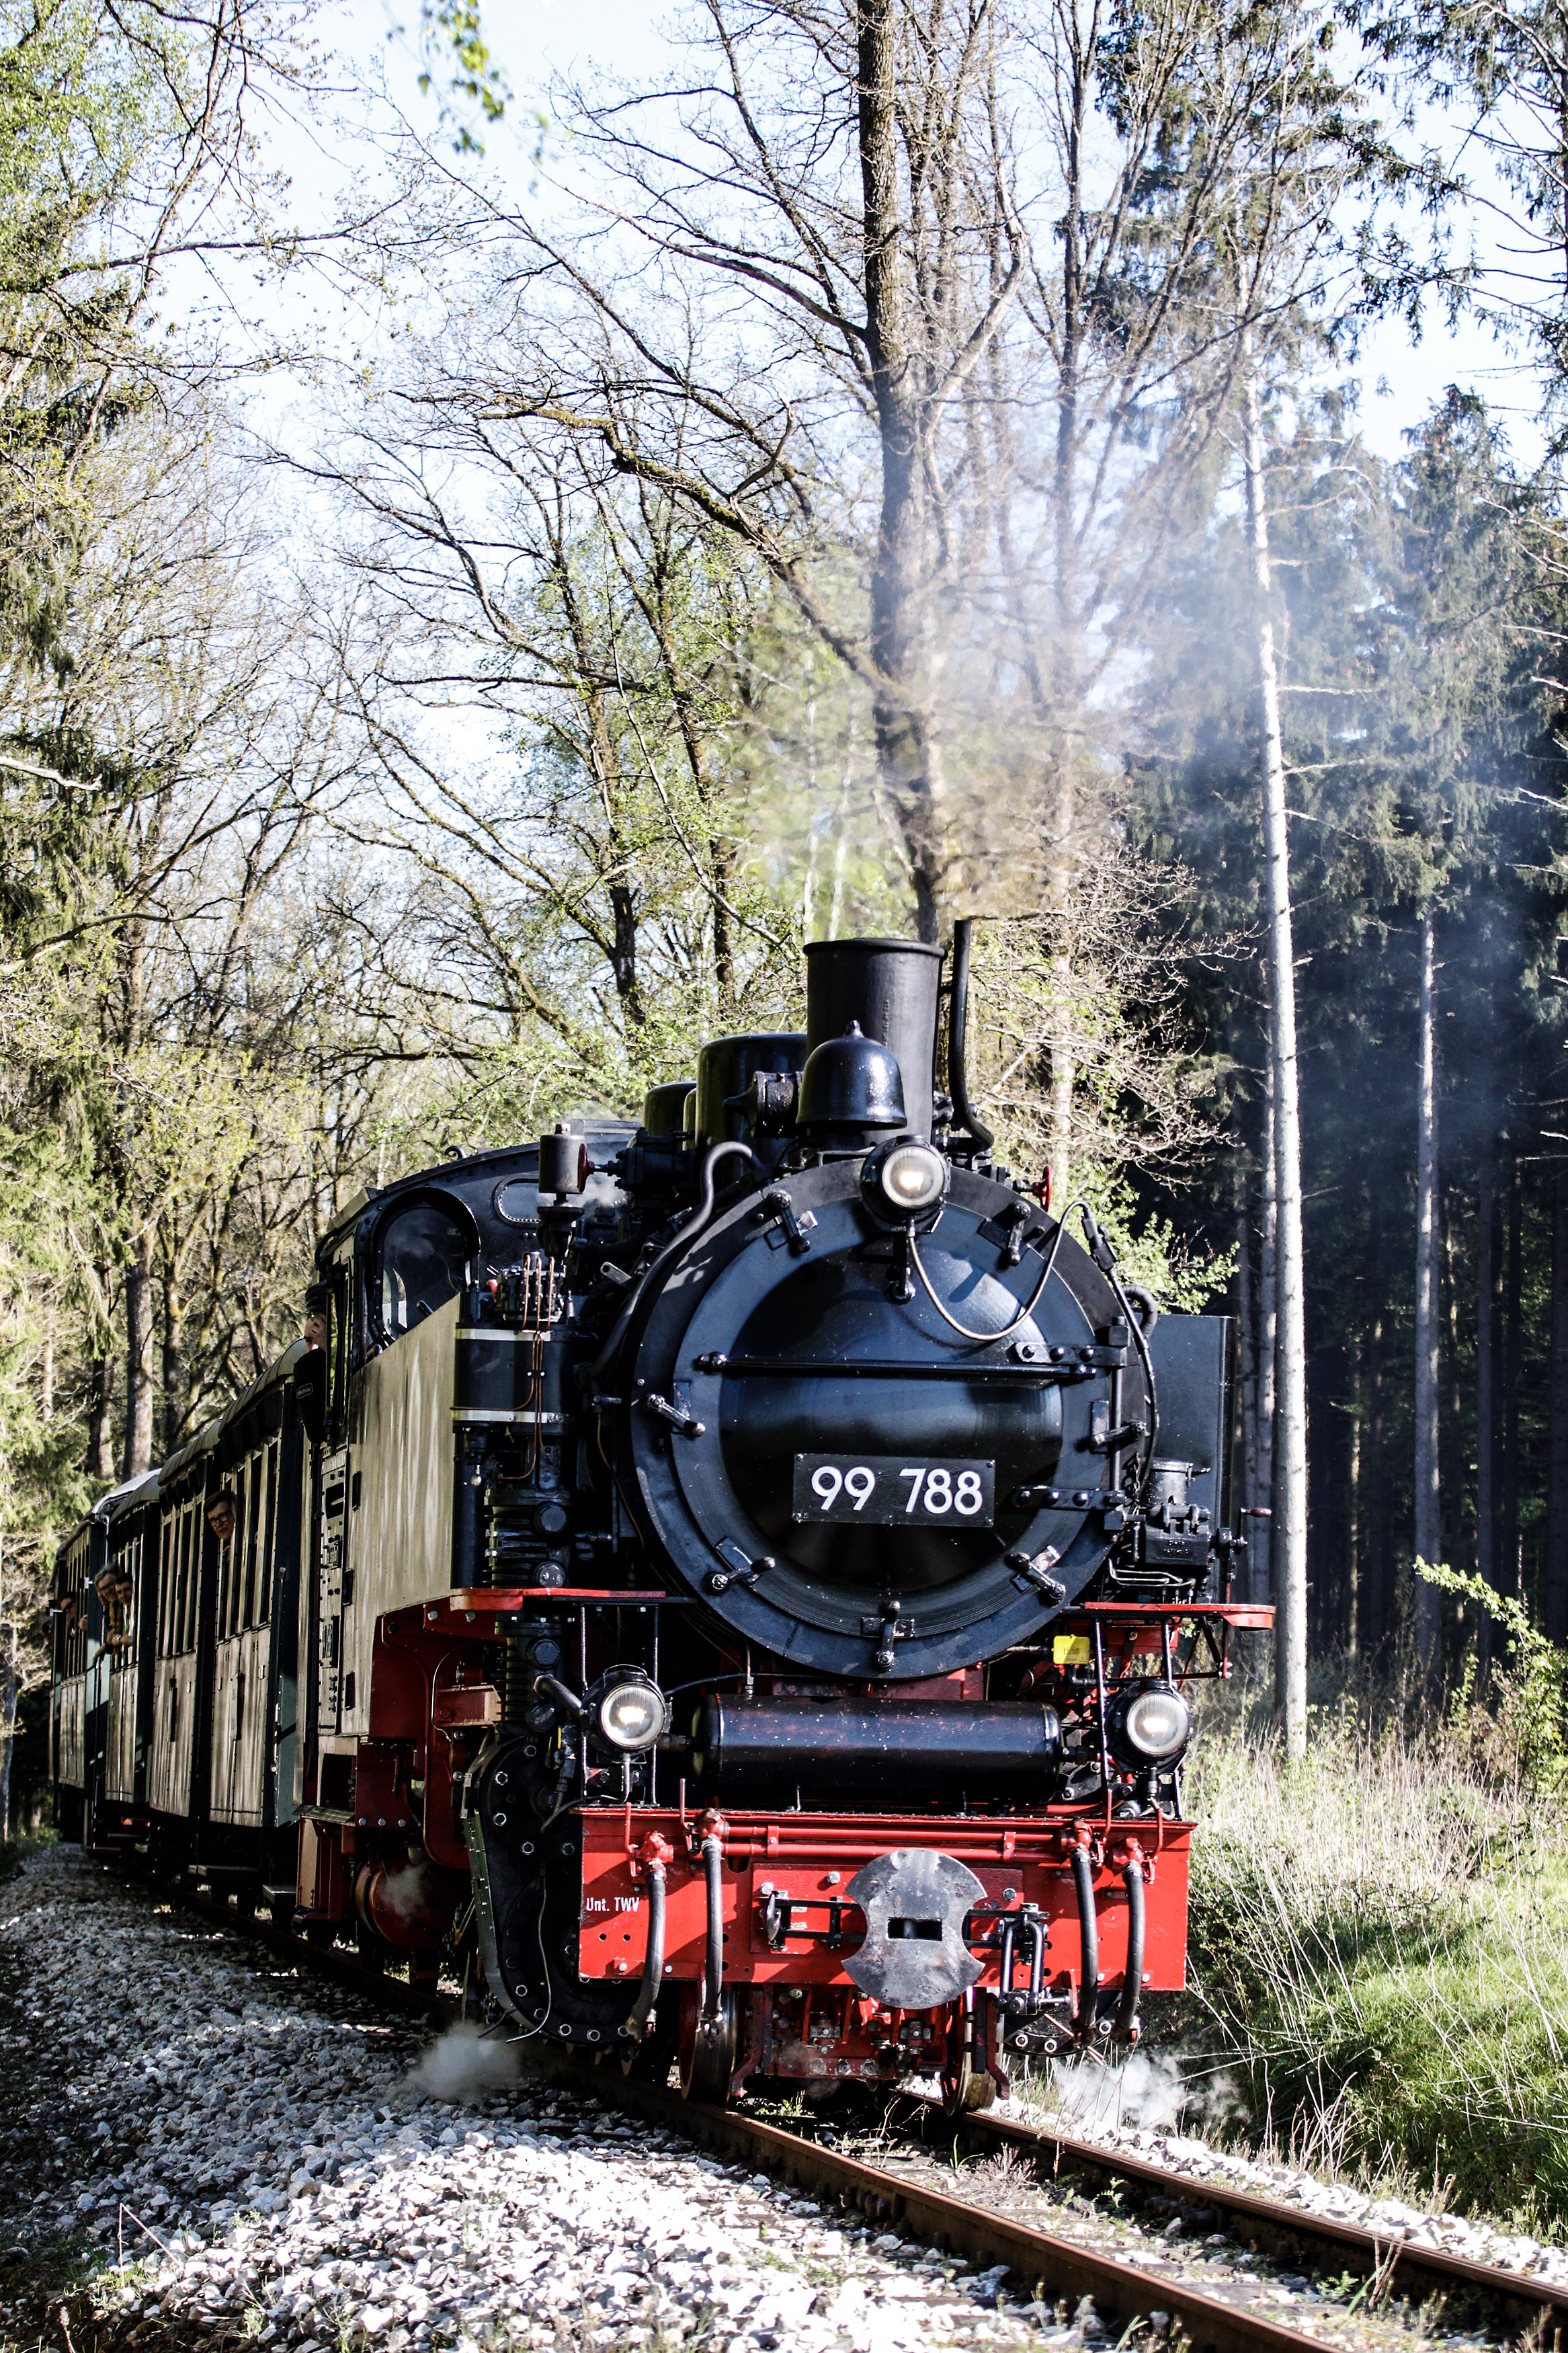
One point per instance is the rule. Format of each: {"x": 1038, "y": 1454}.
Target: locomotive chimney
{"x": 889, "y": 987}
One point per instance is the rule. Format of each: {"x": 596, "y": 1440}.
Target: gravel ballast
{"x": 246, "y": 2153}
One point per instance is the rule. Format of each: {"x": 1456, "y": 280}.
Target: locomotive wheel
{"x": 708, "y": 2068}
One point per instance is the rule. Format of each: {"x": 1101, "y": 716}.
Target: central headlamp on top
{"x": 905, "y": 1182}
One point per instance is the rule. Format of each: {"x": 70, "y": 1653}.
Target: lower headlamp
{"x": 1151, "y": 1725}
{"x": 630, "y": 1710}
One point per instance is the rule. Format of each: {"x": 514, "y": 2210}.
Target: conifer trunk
{"x": 1513, "y": 1343}
{"x": 1555, "y": 1591}
{"x": 1376, "y": 1551}
{"x": 1267, "y": 1356}
{"x": 1289, "y": 1530}
{"x": 1485, "y": 1384}
{"x": 99, "y": 1420}
{"x": 1428, "y": 1530}
{"x": 1250, "y": 1490}
{"x": 1355, "y": 1533}
{"x": 138, "y": 1452}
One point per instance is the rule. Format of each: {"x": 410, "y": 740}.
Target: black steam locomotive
{"x": 727, "y": 1587}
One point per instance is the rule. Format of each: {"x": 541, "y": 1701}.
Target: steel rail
{"x": 1061, "y": 2268}
{"x": 1267, "y": 2223}
{"x": 1056, "y": 2268}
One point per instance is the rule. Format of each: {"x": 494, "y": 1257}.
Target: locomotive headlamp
{"x": 631, "y": 1711}
{"x": 912, "y": 1177}
{"x": 1149, "y": 1726}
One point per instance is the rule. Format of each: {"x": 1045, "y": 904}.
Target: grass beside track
{"x": 1380, "y": 1951}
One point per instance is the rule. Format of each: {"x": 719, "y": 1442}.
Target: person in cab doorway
{"x": 220, "y": 1515}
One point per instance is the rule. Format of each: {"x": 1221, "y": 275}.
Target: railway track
{"x": 1059, "y": 2268}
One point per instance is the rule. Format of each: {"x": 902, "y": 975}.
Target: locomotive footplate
{"x": 797, "y": 1891}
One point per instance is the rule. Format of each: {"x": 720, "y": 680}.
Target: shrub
{"x": 1380, "y": 1933}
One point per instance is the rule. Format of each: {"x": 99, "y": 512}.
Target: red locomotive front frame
{"x": 787, "y": 1920}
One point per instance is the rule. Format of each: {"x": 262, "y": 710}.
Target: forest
{"x": 491, "y": 561}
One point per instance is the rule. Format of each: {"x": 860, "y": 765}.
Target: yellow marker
{"x": 1072, "y": 1651}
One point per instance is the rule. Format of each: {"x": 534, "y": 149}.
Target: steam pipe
{"x": 1104, "y": 1257}
{"x": 958, "y": 1036}
{"x": 1125, "y": 2029}
{"x": 671, "y": 1250}
{"x": 1088, "y": 1934}
{"x": 653, "y": 1961}
{"x": 713, "y": 1873}
{"x": 564, "y": 1701}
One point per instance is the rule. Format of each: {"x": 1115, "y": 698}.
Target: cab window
{"x": 422, "y": 1256}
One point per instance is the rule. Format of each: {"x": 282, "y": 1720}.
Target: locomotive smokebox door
{"x": 915, "y": 1903}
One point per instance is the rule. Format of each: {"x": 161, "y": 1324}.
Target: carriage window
{"x": 231, "y": 1563}
{"x": 167, "y": 1534}
{"x": 269, "y": 1548}
{"x": 254, "y": 1542}
{"x": 185, "y": 1599}
{"x": 423, "y": 1255}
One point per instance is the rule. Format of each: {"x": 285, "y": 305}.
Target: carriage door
{"x": 330, "y": 1625}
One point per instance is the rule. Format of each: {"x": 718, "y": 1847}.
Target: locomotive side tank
{"x": 755, "y": 1564}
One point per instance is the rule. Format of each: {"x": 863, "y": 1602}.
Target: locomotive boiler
{"x": 729, "y": 1588}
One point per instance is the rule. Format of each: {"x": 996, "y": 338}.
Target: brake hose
{"x": 1024, "y": 1313}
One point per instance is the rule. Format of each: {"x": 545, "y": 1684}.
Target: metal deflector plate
{"x": 906, "y": 1896}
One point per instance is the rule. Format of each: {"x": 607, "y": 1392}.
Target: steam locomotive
{"x": 728, "y": 1587}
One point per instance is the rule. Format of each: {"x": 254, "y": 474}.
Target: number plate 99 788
{"x": 894, "y": 1490}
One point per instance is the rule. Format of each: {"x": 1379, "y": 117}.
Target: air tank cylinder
{"x": 877, "y": 1748}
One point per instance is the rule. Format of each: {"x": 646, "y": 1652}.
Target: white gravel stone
{"x": 274, "y": 2160}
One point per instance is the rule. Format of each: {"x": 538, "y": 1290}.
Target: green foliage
{"x": 452, "y": 35}
{"x": 1521, "y": 1716}
{"x": 1388, "y": 1981}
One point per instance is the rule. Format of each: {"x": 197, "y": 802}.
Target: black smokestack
{"x": 889, "y": 986}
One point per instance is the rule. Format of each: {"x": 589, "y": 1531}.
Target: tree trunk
{"x": 176, "y": 1372}
{"x": 1066, "y": 686}
{"x": 7, "y": 1727}
{"x": 1355, "y": 1532}
{"x": 1486, "y": 1385}
{"x": 1513, "y": 1349}
{"x": 1287, "y": 1545}
{"x": 1454, "y": 1479}
{"x": 1376, "y": 1580}
{"x": 138, "y": 1452}
{"x": 99, "y": 1420}
{"x": 1554, "y": 1596}
{"x": 903, "y": 745}
{"x": 1268, "y": 1355}
{"x": 1428, "y": 1500}
{"x": 1250, "y": 1488}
